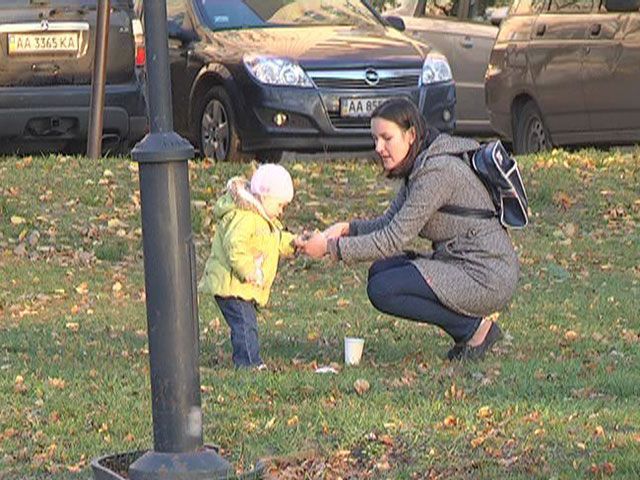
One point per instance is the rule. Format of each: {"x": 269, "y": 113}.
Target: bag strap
{"x": 468, "y": 212}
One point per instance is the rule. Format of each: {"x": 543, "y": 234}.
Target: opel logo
{"x": 371, "y": 77}
{"x": 44, "y": 25}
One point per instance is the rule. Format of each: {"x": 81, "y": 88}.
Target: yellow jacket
{"x": 246, "y": 243}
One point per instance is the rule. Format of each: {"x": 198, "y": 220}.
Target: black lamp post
{"x": 170, "y": 281}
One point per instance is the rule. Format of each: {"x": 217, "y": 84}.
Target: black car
{"x": 262, "y": 76}
{"x": 46, "y": 62}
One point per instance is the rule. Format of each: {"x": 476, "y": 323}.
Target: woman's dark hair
{"x": 404, "y": 113}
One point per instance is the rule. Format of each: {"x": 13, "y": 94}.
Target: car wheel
{"x": 530, "y": 133}
{"x": 218, "y": 132}
{"x": 269, "y": 156}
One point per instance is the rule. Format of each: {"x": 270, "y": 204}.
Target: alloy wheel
{"x": 215, "y": 132}
{"x": 536, "y": 139}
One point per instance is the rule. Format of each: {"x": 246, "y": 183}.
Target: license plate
{"x": 360, "y": 107}
{"x": 25, "y": 43}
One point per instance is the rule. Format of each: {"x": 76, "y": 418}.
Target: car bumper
{"x": 62, "y": 112}
{"x": 314, "y": 121}
{"x": 501, "y": 123}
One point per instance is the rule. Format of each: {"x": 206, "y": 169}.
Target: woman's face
{"x": 392, "y": 143}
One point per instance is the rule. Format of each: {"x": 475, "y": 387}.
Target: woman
{"x": 472, "y": 270}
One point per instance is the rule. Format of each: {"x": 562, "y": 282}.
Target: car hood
{"x": 321, "y": 47}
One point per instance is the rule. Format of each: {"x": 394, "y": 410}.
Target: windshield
{"x": 225, "y": 14}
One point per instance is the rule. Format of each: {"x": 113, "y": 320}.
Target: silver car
{"x": 464, "y": 31}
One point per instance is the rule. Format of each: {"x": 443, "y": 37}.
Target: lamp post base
{"x": 204, "y": 464}
{"x": 119, "y": 466}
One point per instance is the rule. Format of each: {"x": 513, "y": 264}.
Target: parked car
{"x": 256, "y": 77}
{"x": 566, "y": 73}
{"x": 464, "y": 31}
{"x": 46, "y": 64}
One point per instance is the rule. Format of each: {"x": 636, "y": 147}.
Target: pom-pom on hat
{"x": 272, "y": 180}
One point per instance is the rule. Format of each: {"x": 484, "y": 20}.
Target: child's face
{"x": 273, "y": 206}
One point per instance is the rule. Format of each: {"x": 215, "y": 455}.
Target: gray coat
{"x": 473, "y": 268}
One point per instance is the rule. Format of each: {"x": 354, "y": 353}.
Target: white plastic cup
{"x": 353, "y": 350}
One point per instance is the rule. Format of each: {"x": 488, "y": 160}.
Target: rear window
{"x": 233, "y": 14}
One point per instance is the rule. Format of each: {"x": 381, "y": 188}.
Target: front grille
{"x": 362, "y": 83}
{"x": 348, "y": 83}
{"x": 348, "y": 123}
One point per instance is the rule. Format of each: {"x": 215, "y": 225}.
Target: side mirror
{"x": 395, "y": 22}
{"x": 498, "y": 15}
{"x": 175, "y": 31}
{"x": 622, "y": 5}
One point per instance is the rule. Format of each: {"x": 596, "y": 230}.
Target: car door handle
{"x": 596, "y": 28}
{"x": 540, "y": 29}
{"x": 467, "y": 42}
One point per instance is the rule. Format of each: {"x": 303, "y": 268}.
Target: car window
{"x": 229, "y": 14}
{"x": 481, "y": 10}
{"x": 527, "y": 7}
{"x": 570, "y": 6}
{"x": 438, "y": 8}
{"x": 397, "y": 7}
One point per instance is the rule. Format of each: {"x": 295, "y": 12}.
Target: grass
{"x": 557, "y": 399}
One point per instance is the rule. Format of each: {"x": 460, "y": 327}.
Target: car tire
{"x": 269, "y": 156}
{"x": 530, "y": 133}
{"x": 217, "y": 131}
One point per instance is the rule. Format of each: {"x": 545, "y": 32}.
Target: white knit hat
{"x": 272, "y": 180}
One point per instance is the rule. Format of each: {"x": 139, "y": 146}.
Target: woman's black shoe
{"x": 455, "y": 351}
{"x": 467, "y": 352}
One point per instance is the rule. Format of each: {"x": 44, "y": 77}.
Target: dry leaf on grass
{"x": 361, "y": 386}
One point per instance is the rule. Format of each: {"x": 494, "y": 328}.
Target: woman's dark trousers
{"x": 395, "y": 286}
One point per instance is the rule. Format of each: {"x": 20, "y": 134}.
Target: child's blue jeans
{"x": 240, "y": 315}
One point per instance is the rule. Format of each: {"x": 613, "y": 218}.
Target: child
{"x": 244, "y": 255}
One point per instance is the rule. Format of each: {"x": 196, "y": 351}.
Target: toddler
{"x": 247, "y": 245}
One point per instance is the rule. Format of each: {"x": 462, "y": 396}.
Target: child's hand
{"x": 337, "y": 230}
{"x": 316, "y": 246}
{"x": 301, "y": 239}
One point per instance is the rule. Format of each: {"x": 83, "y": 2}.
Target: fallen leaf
{"x": 18, "y": 385}
{"x": 343, "y": 302}
{"x": 73, "y": 326}
{"x": 293, "y": 421}
{"x": 476, "y": 442}
{"x": 450, "y": 421}
{"x": 484, "y": 412}
{"x": 269, "y": 425}
{"x": 563, "y": 200}
{"x": 361, "y": 386}
{"x": 570, "y": 335}
{"x": 17, "y": 220}
{"x": 57, "y": 383}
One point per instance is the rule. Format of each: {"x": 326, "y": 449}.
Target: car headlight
{"x": 435, "y": 69}
{"x": 276, "y": 71}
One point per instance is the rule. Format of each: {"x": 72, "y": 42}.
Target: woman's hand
{"x": 337, "y": 230}
{"x": 316, "y": 246}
